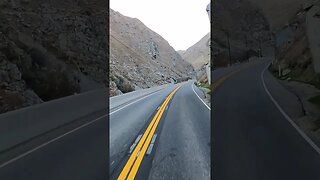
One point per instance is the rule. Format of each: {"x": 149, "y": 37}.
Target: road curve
{"x": 251, "y": 137}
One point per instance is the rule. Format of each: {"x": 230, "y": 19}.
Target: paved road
{"x": 224, "y": 71}
{"x": 78, "y": 151}
{"x": 182, "y": 145}
{"x": 251, "y": 138}
{"x": 126, "y": 124}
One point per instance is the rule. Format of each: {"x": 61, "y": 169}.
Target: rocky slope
{"x": 139, "y": 57}
{"x": 50, "y": 50}
{"x": 274, "y": 24}
{"x": 198, "y": 54}
{"x": 280, "y": 12}
{"x": 295, "y": 29}
{"x": 294, "y": 48}
{"x": 246, "y": 26}
{"x": 239, "y": 23}
{"x": 292, "y": 35}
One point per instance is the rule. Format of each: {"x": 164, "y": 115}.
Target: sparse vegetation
{"x": 15, "y": 99}
{"x": 204, "y": 85}
{"x": 125, "y": 88}
{"x": 315, "y": 100}
{"x": 60, "y": 86}
{"x": 298, "y": 75}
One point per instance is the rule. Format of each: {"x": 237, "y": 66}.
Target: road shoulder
{"x": 203, "y": 94}
{"x": 294, "y": 97}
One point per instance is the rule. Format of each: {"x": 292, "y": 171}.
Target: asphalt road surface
{"x": 76, "y": 151}
{"x": 181, "y": 146}
{"x": 252, "y": 140}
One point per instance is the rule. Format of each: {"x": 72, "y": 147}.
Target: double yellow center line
{"x": 131, "y": 168}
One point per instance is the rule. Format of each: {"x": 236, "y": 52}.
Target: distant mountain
{"x": 139, "y": 57}
{"x": 198, "y": 54}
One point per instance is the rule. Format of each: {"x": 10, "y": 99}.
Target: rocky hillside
{"x": 198, "y": 54}
{"x": 245, "y": 25}
{"x": 50, "y": 49}
{"x": 295, "y": 27}
{"x": 280, "y": 12}
{"x": 297, "y": 46}
{"x": 139, "y": 57}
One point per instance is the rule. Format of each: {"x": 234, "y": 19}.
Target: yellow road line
{"x": 136, "y": 157}
{"x": 129, "y": 163}
{"x": 216, "y": 84}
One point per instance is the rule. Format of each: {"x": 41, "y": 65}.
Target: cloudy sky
{"x": 181, "y": 22}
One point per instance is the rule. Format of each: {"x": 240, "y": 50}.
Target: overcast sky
{"x": 181, "y": 22}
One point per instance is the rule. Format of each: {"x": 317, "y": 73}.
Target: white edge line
{"x": 149, "y": 150}
{"x": 132, "y": 102}
{"x": 46, "y": 143}
{"x": 312, "y": 144}
{"x": 200, "y": 98}
{"x": 154, "y": 137}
